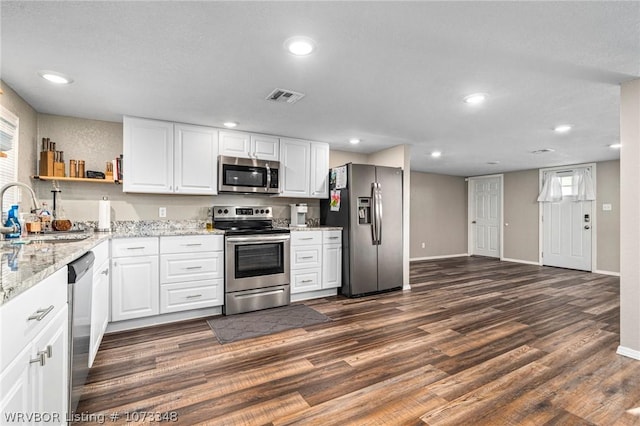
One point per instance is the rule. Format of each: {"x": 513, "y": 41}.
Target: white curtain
{"x": 583, "y": 185}
{"x": 551, "y": 188}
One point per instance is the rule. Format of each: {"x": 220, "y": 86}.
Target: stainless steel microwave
{"x": 248, "y": 175}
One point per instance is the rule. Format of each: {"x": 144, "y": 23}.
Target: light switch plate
{"x": 606, "y": 207}
{"x": 162, "y": 212}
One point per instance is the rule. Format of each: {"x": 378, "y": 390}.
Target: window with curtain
{"x": 9, "y": 160}
{"x": 575, "y": 184}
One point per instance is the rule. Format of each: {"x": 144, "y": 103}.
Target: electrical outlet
{"x": 423, "y": 245}
{"x": 606, "y": 207}
{"x": 162, "y": 212}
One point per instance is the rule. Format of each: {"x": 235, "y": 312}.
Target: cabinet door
{"x": 15, "y": 393}
{"x": 294, "y": 167}
{"x": 332, "y": 266}
{"x": 148, "y": 156}
{"x": 50, "y": 381}
{"x": 265, "y": 147}
{"x": 99, "y": 308}
{"x": 135, "y": 287}
{"x": 195, "y": 155}
{"x": 319, "y": 170}
{"x": 235, "y": 144}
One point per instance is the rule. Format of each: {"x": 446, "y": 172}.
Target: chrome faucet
{"x": 34, "y": 199}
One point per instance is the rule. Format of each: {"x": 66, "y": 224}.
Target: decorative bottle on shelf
{"x": 45, "y": 217}
{"x": 12, "y": 220}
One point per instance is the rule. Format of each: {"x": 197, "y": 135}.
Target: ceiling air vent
{"x": 543, "y": 151}
{"x": 285, "y": 96}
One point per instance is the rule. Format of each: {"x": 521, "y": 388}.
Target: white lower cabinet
{"x": 34, "y": 366}
{"x": 135, "y": 285}
{"x": 331, "y": 259}
{"x": 191, "y": 272}
{"x": 99, "y": 298}
{"x": 316, "y": 262}
{"x": 306, "y": 261}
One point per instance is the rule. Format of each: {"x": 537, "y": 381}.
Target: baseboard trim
{"x": 613, "y": 274}
{"x": 132, "y": 324}
{"x": 526, "y": 262}
{"x": 445, "y": 256}
{"x": 308, "y": 295}
{"x": 630, "y": 353}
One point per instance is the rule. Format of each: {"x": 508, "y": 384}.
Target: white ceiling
{"x": 387, "y": 72}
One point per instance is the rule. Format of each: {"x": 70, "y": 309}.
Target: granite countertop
{"x": 25, "y": 265}
{"x": 315, "y": 228}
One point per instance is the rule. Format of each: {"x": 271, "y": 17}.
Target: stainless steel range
{"x": 256, "y": 259}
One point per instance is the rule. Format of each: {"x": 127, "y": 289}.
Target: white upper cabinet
{"x": 319, "y": 170}
{"x": 148, "y": 156}
{"x": 195, "y": 155}
{"x": 166, "y": 158}
{"x": 295, "y": 157}
{"x": 247, "y": 145}
{"x": 304, "y": 167}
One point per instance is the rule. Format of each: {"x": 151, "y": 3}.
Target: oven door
{"x": 256, "y": 261}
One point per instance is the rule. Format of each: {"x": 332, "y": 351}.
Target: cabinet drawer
{"x": 306, "y": 257}
{"x": 332, "y": 237}
{"x": 127, "y": 247}
{"x": 299, "y": 238}
{"x": 193, "y": 295}
{"x": 191, "y": 244}
{"x": 41, "y": 302}
{"x": 191, "y": 267}
{"x": 305, "y": 280}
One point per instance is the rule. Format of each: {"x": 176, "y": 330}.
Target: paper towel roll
{"x": 104, "y": 215}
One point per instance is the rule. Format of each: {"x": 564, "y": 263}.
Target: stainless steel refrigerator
{"x": 370, "y": 213}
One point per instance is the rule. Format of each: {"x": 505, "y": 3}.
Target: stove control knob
{"x": 219, "y": 211}
{"x": 257, "y": 211}
{"x": 226, "y": 211}
{"x": 267, "y": 211}
{"x": 262, "y": 211}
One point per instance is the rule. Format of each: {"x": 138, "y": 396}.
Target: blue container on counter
{"x": 12, "y": 220}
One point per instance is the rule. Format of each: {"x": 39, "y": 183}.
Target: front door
{"x": 566, "y": 226}
{"x": 485, "y": 216}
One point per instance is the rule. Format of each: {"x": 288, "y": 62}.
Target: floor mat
{"x": 261, "y": 323}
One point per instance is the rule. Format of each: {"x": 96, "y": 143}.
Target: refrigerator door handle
{"x": 374, "y": 215}
{"x": 379, "y": 213}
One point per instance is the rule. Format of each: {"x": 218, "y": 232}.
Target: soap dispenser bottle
{"x": 12, "y": 220}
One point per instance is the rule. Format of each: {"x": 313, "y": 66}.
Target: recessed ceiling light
{"x": 354, "y": 141}
{"x": 55, "y": 77}
{"x": 300, "y": 45}
{"x": 562, "y": 128}
{"x": 436, "y": 154}
{"x": 615, "y": 145}
{"x": 475, "y": 99}
{"x": 230, "y": 124}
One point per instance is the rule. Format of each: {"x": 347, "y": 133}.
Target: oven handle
{"x": 259, "y": 239}
{"x": 268, "y": 178}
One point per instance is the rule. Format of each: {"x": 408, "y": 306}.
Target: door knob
{"x": 587, "y": 227}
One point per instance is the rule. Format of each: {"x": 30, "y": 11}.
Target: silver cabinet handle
{"x": 307, "y": 257}
{"x": 41, "y": 358}
{"x": 587, "y": 227}
{"x": 105, "y": 272}
{"x": 307, "y": 238}
{"x": 306, "y": 281}
{"x": 191, "y": 244}
{"x": 48, "y": 351}
{"x": 40, "y": 314}
{"x": 333, "y": 238}
{"x": 193, "y": 267}
{"x": 193, "y": 296}
{"x": 135, "y": 248}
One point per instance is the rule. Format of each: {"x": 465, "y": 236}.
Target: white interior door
{"x": 567, "y": 231}
{"x": 485, "y": 216}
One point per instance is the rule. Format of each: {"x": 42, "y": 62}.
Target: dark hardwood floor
{"x": 476, "y": 341}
